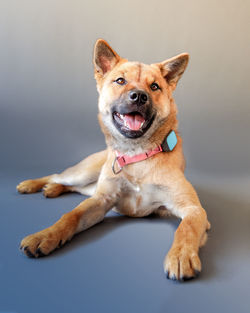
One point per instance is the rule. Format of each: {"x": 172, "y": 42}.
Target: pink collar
{"x": 168, "y": 144}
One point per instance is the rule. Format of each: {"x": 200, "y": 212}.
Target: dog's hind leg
{"x": 33, "y": 185}
{"x": 80, "y": 177}
{"x": 53, "y": 190}
{"x": 83, "y": 176}
{"x": 50, "y": 190}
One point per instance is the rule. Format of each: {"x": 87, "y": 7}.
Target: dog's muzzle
{"x": 133, "y": 113}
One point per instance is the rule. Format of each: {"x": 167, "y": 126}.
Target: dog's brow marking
{"x": 139, "y": 72}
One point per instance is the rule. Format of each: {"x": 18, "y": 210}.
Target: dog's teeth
{"x": 126, "y": 124}
{"x": 141, "y": 124}
{"x": 121, "y": 116}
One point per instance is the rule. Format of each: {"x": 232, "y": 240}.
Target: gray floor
{"x": 117, "y": 265}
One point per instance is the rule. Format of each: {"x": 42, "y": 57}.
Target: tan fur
{"x": 156, "y": 185}
{"x": 32, "y": 185}
{"x": 54, "y": 190}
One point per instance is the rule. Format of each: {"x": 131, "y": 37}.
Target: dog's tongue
{"x": 134, "y": 121}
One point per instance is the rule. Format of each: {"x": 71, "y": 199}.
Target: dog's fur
{"x": 155, "y": 185}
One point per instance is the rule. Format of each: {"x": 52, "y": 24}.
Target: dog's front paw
{"x": 182, "y": 263}
{"x": 41, "y": 243}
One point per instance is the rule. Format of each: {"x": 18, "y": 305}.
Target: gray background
{"x": 48, "y": 107}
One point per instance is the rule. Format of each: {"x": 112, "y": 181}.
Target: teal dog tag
{"x": 170, "y": 141}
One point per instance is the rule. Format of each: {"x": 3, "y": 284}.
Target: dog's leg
{"x": 182, "y": 261}
{"x": 50, "y": 189}
{"x": 86, "y": 214}
{"x": 72, "y": 179}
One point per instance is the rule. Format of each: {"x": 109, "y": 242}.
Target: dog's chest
{"x": 139, "y": 199}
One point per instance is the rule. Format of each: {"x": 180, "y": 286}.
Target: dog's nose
{"x": 138, "y": 96}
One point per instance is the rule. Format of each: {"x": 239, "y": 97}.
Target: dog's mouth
{"x": 132, "y": 124}
{"x": 133, "y": 121}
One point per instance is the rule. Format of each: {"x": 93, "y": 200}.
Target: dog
{"x": 142, "y": 170}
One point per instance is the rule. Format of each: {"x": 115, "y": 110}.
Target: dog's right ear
{"x": 105, "y": 58}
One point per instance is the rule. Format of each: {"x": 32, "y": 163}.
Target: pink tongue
{"x": 134, "y": 121}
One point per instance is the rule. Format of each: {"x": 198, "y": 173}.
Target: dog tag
{"x": 169, "y": 142}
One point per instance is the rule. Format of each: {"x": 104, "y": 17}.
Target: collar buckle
{"x": 113, "y": 167}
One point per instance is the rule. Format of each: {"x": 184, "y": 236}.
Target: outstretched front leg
{"x": 86, "y": 214}
{"x": 182, "y": 261}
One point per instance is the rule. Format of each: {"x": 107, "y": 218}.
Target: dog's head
{"x": 135, "y": 99}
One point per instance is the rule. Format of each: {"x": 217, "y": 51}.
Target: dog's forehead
{"x": 138, "y": 71}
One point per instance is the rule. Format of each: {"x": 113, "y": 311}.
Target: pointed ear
{"x": 105, "y": 58}
{"x": 172, "y": 69}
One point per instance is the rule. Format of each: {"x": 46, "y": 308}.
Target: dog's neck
{"x": 152, "y": 138}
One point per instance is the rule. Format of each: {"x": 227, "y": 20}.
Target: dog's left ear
{"x": 105, "y": 58}
{"x": 172, "y": 69}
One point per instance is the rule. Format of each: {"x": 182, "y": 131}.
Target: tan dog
{"x": 137, "y": 114}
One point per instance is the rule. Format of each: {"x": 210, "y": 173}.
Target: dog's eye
{"x": 120, "y": 81}
{"x": 154, "y": 86}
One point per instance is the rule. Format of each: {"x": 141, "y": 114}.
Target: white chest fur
{"x": 139, "y": 200}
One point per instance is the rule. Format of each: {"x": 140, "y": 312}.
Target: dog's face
{"x": 134, "y": 97}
